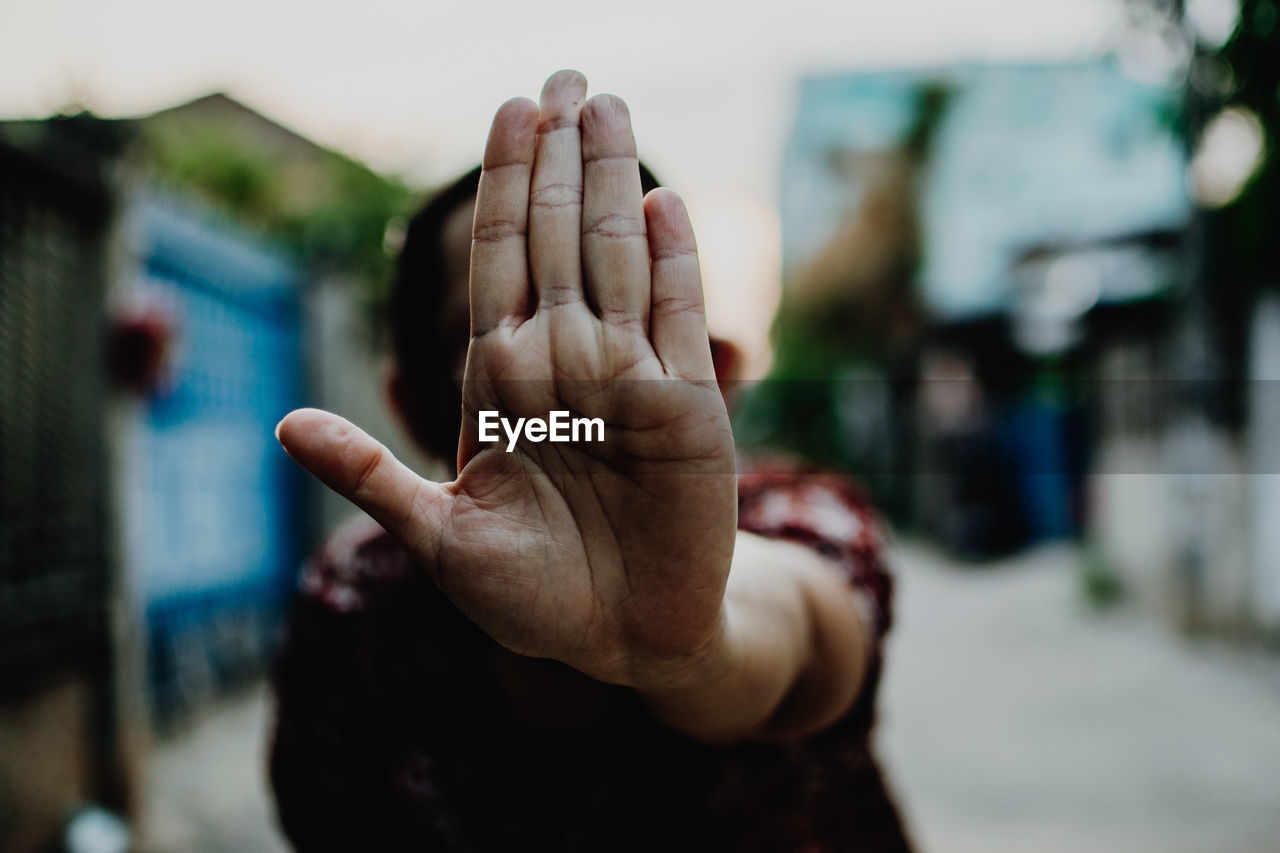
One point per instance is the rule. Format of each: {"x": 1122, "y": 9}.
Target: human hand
{"x": 611, "y": 557}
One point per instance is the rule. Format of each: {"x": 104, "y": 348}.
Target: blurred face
{"x": 435, "y": 395}
{"x": 455, "y": 319}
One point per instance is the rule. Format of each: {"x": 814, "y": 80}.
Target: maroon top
{"x": 398, "y": 728}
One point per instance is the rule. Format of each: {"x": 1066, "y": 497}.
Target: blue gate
{"x": 212, "y": 506}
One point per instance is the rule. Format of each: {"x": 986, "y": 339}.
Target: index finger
{"x": 499, "y": 265}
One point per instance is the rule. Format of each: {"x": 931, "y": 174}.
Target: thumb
{"x": 346, "y": 459}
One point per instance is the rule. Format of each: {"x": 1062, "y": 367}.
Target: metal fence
{"x": 53, "y": 559}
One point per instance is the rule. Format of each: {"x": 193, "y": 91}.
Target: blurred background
{"x": 1013, "y": 264}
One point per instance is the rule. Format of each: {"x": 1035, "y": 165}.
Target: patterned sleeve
{"x": 827, "y": 512}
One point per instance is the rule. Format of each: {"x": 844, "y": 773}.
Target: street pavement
{"x": 1013, "y": 717}
{"x": 207, "y": 790}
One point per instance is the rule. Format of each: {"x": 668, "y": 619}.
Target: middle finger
{"x": 555, "y": 195}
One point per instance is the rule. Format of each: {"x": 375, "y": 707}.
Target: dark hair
{"x": 423, "y": 348}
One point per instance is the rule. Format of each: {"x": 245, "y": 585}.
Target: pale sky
{"x": 410, "y": 87}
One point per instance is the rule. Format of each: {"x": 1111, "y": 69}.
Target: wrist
{"x": 731, "y": 687}
{"x": 690, "y": 693}
{"x": 786, "y": 659}
{"x": 682, "y": 673}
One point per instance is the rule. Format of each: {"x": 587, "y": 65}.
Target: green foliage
{"x": 1099, "y": 582}
{"x": 348, "y": 229}
{"x": 337, "y": 220}
{"x": 1243, "y": 233}
{"x": 221, "y": 171}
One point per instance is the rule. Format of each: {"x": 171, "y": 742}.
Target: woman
{"x": 583, "y": 646}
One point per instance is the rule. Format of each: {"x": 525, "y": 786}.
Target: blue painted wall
{"x": 212, "y": 504}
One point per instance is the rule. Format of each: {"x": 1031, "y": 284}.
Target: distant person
{"x": 592, "y": 645}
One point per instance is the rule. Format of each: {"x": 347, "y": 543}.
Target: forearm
{"x": 790, "y": 655}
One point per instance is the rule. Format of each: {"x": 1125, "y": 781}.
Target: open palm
{"x": 610, "y": 556}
